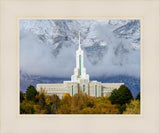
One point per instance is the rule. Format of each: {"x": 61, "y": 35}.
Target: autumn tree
{"x": 133, "y": 107}
{"x": 79, "y": 101}
{"x": 52, "y": 103}
{"x": 120, "y": 101}
{"x": 42, "y": 100}
{"x": 90, "y": 101}
{"x": 65, "y": 104}
{"x": 39, "y": 110}
{"x": 37, "y": 97}
{"x": 104, "y": 106}
{"x": 27, "y": 107}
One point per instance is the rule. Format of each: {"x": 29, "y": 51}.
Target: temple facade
{"x": 79, "y": 81}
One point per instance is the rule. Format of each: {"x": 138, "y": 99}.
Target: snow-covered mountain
{"x": 58, "y": 33}
{"x": 111, "y": 47}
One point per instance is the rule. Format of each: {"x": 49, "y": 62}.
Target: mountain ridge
{"x": 111, "y": 48}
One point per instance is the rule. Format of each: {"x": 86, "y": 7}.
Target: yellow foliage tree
{"x": 39, "y": 110}
{"x": 65, "y": 104}
{"x": 79, "y": 101}
{"x": 26, "y": 107}
{"x": 103, "y": 106}
{"x": 133, "y": 107}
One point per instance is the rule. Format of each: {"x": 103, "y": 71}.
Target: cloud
{"x": 37, "y": 58}
{"x": 125, "y": 63}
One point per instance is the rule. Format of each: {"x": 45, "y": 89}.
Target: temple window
{"x": 84, "y": 88}
{"x": 95, "y": 90}
{"x": 72, "y": 90}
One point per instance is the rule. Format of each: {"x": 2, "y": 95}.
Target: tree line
{"x": 120, "y": 101}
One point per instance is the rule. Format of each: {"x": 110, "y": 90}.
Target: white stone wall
{"x": 69, "y": 87}
{"x": 50, "y": 89}
{"x": 84, "y": 83}
{"x": 92, "y": 89}
{"x": 103, "y": 89}
{"x": 107, "y": 88}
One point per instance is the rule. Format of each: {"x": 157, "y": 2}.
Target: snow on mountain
{"x": 111, "y": 47}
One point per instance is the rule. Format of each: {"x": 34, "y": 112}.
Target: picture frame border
{"x": 3, "y": 123}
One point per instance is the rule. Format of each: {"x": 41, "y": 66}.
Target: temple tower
{"x": 80, "y": 70}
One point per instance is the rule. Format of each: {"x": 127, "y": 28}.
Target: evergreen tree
{"x": 21, "y": 96}
{"x": 31, "y": 93}
{"x": 121, "y": 96}
{"x": 138, "y": 96}
{"x": 125, "y": 95}
{"x": 114, "y": 97}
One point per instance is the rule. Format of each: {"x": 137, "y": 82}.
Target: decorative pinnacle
{"x": 79, "y": 33}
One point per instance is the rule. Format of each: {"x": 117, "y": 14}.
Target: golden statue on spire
{"x": 79, "y": 33}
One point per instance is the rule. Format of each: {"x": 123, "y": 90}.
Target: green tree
{"x": 122, "y": 108}
{"x": 114, "y": 97}
{"x": 138, "y": 96}
{"x": 21, "y": 96}
{"x": 121, "y": 96}
{"x": 125, "y": 95}
{"x": 31, "y": 93}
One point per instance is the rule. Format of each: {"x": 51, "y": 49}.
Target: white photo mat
{"x": 146, "y": 11}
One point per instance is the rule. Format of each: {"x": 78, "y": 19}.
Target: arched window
{"x": 95, "y": 90}
{"x": 72, "y": 90}
{"x": 84, "y": 88}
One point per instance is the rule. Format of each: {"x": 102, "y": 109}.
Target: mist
{"x": 37, "y": 57}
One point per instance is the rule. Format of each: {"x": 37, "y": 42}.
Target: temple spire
{"x": 79, "y": 33}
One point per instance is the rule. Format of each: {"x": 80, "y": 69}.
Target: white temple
{"x": 79, "y": 81}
